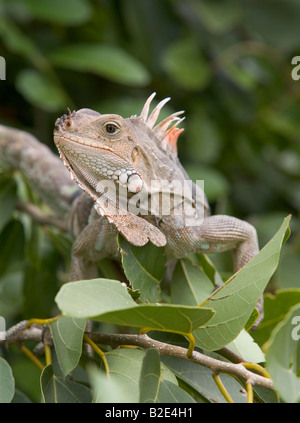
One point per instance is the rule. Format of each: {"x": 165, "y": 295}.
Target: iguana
{"x": 128, "y": 169}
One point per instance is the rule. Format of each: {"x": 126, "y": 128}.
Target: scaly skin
{"x": 131, "y": 153}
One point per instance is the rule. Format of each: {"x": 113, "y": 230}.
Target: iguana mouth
{"x": 82, "y": 141}
{"x": 125, "y": 175}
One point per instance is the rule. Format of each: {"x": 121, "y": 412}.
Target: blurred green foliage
{"x": 226, "y": 63}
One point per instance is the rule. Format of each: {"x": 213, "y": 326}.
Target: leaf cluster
{"x": 199, "y": 317}
{"x": 229, "y": 65}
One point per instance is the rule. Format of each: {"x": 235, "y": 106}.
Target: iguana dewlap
{"x": 130, "y": 169}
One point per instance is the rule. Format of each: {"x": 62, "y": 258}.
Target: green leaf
{"x": 17, "y": 41}
{"x": 20, "y": 398}
{"x": 283, "y": 356}
{"x": 11, "y": 298}
{"x": 190, "y": 285}
{"x": 217, "y": 16}
{"x": 153, "y": 388}
{"x": 209, "y": 269}
{"x": 252, "y": 319}
{"x": 289, "y": 269}
{"x": 40, "y": 277}
{"x": 67, "y": 336}
{"x": 125, "y": 366}
{"x": 150, "y": 377}
{"x": 186, "y": 65}
{"x": 68, "y": 12}
{"x": 106, "y": 390}
{"x": 108, "y": 301}
{"x": 7, "y": 383}
{"x": 46, "y": 94}
{"x": 144, "y": 267}
{"x": 164, "y": 317}
{"x": 200, "y": 379}
{"x": 276, "y": 307}
{"x": 108, "y": 61}
{"x": 59, "y": 390}
{"x": 90, "y": 298}
{"x": 241, "y": 73}
{"x": 171, "y": 393}
{"x": 235, "y": 300}
{"x": 27, "y": 377}
{"x": 8, "y": 190}
{"x": 244, "y": 346}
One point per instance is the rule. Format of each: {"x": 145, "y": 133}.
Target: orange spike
{"x": 172, "y": 136}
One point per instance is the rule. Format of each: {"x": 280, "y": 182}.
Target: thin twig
{"x": 101, "y": 354}
{"x": 222, "y": 388}
{"x": 39, "y": 217}
{"x": 29, "y": 354}
{"x": 249, "y": 389}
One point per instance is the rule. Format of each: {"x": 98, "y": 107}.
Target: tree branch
{"x": 217, "y": 366}
{"x": 39, "y": 217}
{"x": 19, "y": 334}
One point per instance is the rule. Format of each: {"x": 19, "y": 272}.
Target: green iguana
{"x": 133, "y": 183}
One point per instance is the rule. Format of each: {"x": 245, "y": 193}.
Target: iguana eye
{"x": 111, "y": 128}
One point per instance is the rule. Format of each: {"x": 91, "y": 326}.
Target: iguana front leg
{"x": 95, "y": 239}
{"x": 83, "y": 264}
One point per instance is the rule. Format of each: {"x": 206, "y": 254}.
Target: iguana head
{"x": 131, "y": 152}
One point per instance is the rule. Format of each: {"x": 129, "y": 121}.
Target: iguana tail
{"x": 44, "y": 170}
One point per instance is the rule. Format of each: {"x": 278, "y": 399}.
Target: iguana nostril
{"x": 57, "y": 124}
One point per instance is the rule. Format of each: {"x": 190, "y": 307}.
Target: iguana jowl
{"x": 129, "y": 154}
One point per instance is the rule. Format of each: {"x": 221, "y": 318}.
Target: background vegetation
{"x": 226, "y": 63}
